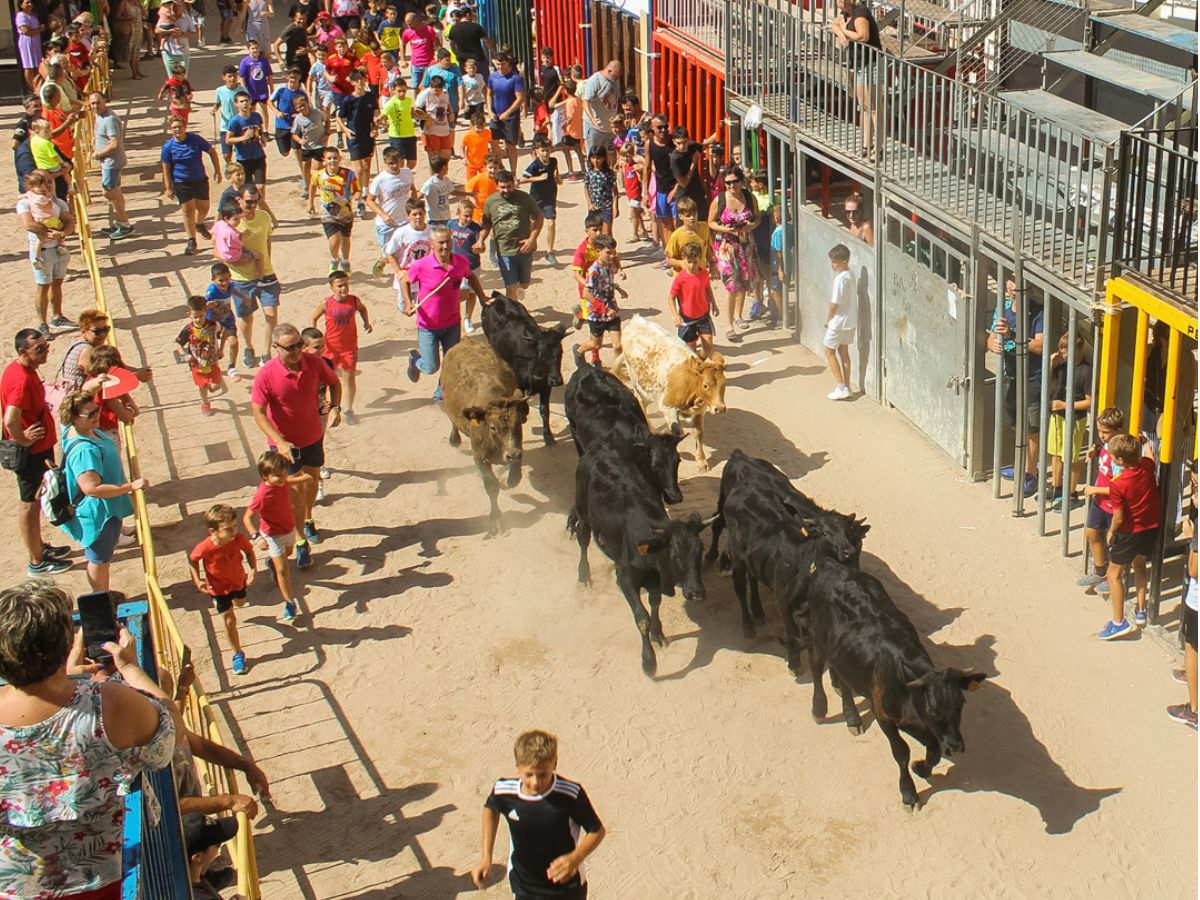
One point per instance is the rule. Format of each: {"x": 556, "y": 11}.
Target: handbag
{"x": 13, "y": 456}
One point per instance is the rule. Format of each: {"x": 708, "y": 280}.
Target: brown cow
{"x": 481, "y": 398}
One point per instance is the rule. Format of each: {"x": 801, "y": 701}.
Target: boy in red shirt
{"x": 341, "y": 335}
{"x": 1133, "y": 534}
{"x": 692, "y": 302}
{"x": 1109, "y": 423}
{"x": 274, "y": 502}
{"x": 224, "y": 578}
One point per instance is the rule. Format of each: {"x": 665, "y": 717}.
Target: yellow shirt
{"x": 680, "y": 239}
{"x": 256, "y": 235}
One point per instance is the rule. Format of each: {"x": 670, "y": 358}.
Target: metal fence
{"x": 701, "y": 22}
{"x": 1026, "y": 180}
{"x": 1155, "y": 227}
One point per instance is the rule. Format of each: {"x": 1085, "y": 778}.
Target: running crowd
{"x": 342, "y": 89}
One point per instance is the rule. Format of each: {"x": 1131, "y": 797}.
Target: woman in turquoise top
{"x": 96, "y": 479}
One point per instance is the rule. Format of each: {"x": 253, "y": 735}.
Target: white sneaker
{"x": 325, "y": 473}
{"x": 320, "y": 491}
{"x": 468, "y": 326}
{"x": 841, "y": 392}
{"x": 126, "y": 540}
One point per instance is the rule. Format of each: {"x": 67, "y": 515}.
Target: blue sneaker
{"x": 1103, "y": 588}
{"x": 1007, "y": 473}
{"x": 1030, "y": 485}
{"x": 1112, "y": 630}
{"x": 1091, "y": 581}
{"x": 413, "y": 372}
{"x": 311, "y": 533}
{"x": 1139, "y": 618}
{"x": 303, "y": 555}
{"x": 239, "y": 664}
{"x": 289, "y": 611}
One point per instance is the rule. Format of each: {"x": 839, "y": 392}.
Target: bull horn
{"x": 705, "y": 523}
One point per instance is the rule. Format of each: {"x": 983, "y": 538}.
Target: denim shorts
{"x": 383, "y": 233}
{"x": 549, "y": 212}
{"x": 516, "y": 269}
{"x": 54, "y": 265}
{"x": 265, "y": 290}
{"x": 110, "y": 178}
{"x": 101, "y": 550}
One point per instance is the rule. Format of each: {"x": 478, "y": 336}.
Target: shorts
{"x": 837, "y": 337}
{"x": 594, "y": 139}
{"x": 312, "y": 457}
{"x": 54, "y": 265}
{"x": 265, "y": 290}
{"x": 1127, "y": 545}
{"x": 634, "y": 202}
{"x": 186, "y": 191}
{"x": 101, "y": 550}
{"x": 169, "y": 60}
{"x": 415, "y": 76}
{"x": 507, "y": 130}
{"x": 691, "y": 329}
{"x": 436, "y": 143}
{"x": 1097, "y": 518}
{"x": 864, "y": 75}
{"x": 223, "y": 603}
{"x": 1189, "y": 626}
{"x": 342, "y": 228}
{"x": 1056, "y": 433}
{"x": 406, "y": 145}
{"x": 283, "y": 138}
{"x": 244, "y": 308}
{"x": 1033, "y": 406}
{"x": 598, "y": 328}
{"x": 279, "y": 544}
{"x": 209, "y": 379}
{"x": 383, "y": 233}
{"x": 29, "y": 476}
{"x": 346, "y": 360}
{"x": 606, "y": 215}
{"x": 569, "y": 140}
{"x": 516, "y": 269}
{"x": 110, "y": 178}
{"x": 227, "y": 12}
{"x": 312, "y": 155}
{"x": 664, "y": 207}
{"x": 549, "y": 211}
{"x": 256, "y": 170}
{"x": 363, "y": 148}
{"x": 230, "y": 323}
{"x": 226, "y": 147}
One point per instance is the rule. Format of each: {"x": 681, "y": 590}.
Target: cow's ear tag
{"x": 643, "y": 549}
{"x": 973, "y": 686}
{"x": 812, "y": 567}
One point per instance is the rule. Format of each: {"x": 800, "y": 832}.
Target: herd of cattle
{"x": 806, "y": 555}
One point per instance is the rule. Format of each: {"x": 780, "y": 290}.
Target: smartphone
{"x": 98, "y": 618}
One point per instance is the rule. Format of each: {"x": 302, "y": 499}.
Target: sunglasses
{"x": 660, "y": 127}
{"x": 39, "y": 348}
{"x": 249, "y": 202}
{"x": 732, "y": 181}
{"x": 90, "y": 414}
{"x": 291, "y": 348}
{"x": 100, "y": 329}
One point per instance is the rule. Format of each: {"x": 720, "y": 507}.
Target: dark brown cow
{"x": 481, "y": 398}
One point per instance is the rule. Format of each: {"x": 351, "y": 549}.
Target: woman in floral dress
{"x": 69, "y": 749}
{"x": 731, "y": 220}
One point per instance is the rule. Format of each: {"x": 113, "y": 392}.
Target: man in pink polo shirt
{"x": 430, "y": 288}
{"x": 286, "y": 410}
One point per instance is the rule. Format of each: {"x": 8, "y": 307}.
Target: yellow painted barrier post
{"x": 1140, "y": 351}
{"x": 1112, "y": 346}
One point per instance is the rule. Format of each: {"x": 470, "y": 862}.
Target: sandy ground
{"x": 383, "y": 715}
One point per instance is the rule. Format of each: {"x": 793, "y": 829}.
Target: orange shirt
{"x": 65, "y": 140}
{"x": 574, "y": 124}
{"x": 482, "y": 186}
{"x": 475, "y": 148}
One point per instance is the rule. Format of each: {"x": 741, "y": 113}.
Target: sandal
{"x": 733, "y": 337}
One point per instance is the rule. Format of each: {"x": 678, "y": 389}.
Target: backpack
{"x": 55, "y": 493}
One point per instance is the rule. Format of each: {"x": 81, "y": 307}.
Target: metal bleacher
{"x": 1158, "y": 30}
{"x": 1122, "y": 75}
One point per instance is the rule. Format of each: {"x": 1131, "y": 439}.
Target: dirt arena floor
{"x": 383, "y": 714}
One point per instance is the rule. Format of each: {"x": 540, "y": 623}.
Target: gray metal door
{"x": 926, "y": 332}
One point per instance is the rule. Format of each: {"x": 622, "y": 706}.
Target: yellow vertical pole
{"x": 1112, "y": 344}
{"x": 1139, "y": 373}
{"x": 645, "y": 62}
{"x": 1166, "y": 447}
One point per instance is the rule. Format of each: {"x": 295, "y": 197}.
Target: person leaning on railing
{"x": 69, "y": 749}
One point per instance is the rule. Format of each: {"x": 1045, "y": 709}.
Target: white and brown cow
{"x": 664, "y": 370}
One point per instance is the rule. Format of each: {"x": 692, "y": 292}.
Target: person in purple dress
{"x": 29, "y": 43}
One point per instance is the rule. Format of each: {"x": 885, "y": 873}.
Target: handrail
{"x": 168, "y": 644}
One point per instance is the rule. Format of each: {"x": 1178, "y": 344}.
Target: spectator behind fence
{"x": 1081, "y": 402}
{"x": 858, "y": 214}
{"x": 69, "y": 750}
{"x": 855, "y": 30}
{"x": 1003, "y": 340}
{"x": 1185, "y": 713}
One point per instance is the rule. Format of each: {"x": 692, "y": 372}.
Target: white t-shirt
{"x": 407, "y": 245}
{"x": 845, "y": 295}
{"x": 438, "y": 108}
{"x": 437, "y": 198}
{"x": 473, "y": 88}
{"x": 60, "y": 209}
{"x": 391, "y": 192}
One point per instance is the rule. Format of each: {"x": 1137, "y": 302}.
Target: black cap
{"x": 200, "y": 832}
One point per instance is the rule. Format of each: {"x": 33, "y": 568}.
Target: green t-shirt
{"x": 399, "y": 115}
{"x": 511, "y": 219}
{"x": 45, "y": 156}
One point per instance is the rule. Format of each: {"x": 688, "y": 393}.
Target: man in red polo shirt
{"x": 28, "y": 422}
{"x": 287, "y": 411}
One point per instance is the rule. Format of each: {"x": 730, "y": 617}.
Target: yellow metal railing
{"x": 168, "y": 644}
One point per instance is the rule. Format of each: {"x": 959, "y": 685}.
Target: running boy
{"x": 201, "y": 341}
{"x": 544, "y": 812}
{"x": 273, "y": 503}
{"x": 408, "y": 243}
{"x": 841, "y": 321}
{"x": 256, "y": 77}
{"x": 599, "y": 293}
{"x": 225, "y": 304}
{"x": 1133, "y": 534}
{"x": 438, "y": 190}
{"x": 464, "y": 232}
{"x": 478, "y": 145}
{"x": 543, "y": 179}
{"x": 224, "y": 578}
{"x": 224, "y": 107}
{"x": 1109, "y": 423}
{"x": 693, "y": 304}
{"x": 341, "y": 335}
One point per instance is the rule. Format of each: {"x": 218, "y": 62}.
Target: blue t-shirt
{"x": 228, "y": 109}
{"x": 251, "y": 149}
{"x": 452, "y": 78}
{"x": 317, "y": 74}
{"x": 255, "y": 73}
{"x": 186, "y": 157}
{"x": 219, "y": 306}
{"x": 285, "y": 99}
{"x": 100, "y": 455}
{"x": 464, "y": 238}
{"x": 504, "y": 90}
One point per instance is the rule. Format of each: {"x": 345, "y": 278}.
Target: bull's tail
{"x": 718, "y": 525}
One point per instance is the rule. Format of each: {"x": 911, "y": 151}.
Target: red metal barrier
{"x": 689, "y": 87}
{"x": 558, "y": 28}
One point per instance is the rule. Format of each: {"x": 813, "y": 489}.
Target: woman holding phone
{"x": 96, "y": 479}
{"x": 69, "y": 748}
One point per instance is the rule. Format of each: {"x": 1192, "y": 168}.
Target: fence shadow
{"x": 758, "y": 436}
